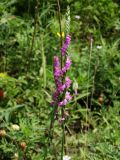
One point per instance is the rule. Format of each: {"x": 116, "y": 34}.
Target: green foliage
{"x": 96, "y": 19}
{"x": 28, "y": 42}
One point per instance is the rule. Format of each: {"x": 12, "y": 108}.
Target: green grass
{"x": 28, "y": 43}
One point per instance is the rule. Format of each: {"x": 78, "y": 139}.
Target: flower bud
{"x": 2, "y": 133}
{"x": 16, "y": 156}
{"x": 15, "y": 127}
{"x": 23, "y": 146}
{"x": 1, "y": 93}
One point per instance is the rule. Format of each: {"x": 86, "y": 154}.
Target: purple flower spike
{"x": 68, "y": 96}
{"x": 65, "y": 45}
{"x": 57, "y": 72}
{"x": 61, "y": 81}
{"x": 61, "y": 88}
{"x": 67, "y": 65}
{"x": 63, "y": 103}
{"x": 55, "y": 96}
{"x": 56, "y": 61}
{"x": 68, "y": 39}
{"x": 67, "y": 82}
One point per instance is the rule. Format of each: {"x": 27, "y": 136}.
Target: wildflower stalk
{"x": 87, "y": 105}
{"x": 62, "y": 109}
{"x": 61, "y": 96}
{"x": 33, "y": 35}
{"x": 89, "y": 65}
{"x": 63, "y": 135}
{"x": 55, "y": 107}
{"x": 52, "y": 122}
{"x": 43, "y": 63}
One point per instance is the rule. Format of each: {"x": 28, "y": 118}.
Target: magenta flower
{"x": 67, "y": 82}
{"x": 63, "y": 103}
{"x": 68, "y": 96}
{"x": 61, "y": 88}
{"x": 55, "y": 96}
{"x": 56, "y": 61}
{"x": 62, "y": 83}
{"x": 56, "y": 67}
{"x": 65, "y": 45}
{"x": 67, "y": 65}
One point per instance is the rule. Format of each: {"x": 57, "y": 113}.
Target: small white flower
{"x": 16, "y": 155}
{"x": 15, "y": 127}
{"x": 66, "y": 157}
{"x": 98, "y": 47}
{"x": 77, "y": 17}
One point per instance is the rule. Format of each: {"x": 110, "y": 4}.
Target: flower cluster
{"x": 66, "y": 157}
{"x": 61, "y": 81}
{"x": 3, "y": 75}
{"x": 66, "y": 44}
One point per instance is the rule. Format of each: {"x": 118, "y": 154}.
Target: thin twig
{"x": 34, "y": 32}
{"x": 62, "y": 109}
{"x": 96, "y": 66}
{"x": 60, "y": 25}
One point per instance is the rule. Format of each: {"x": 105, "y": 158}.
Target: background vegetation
{"x": 28, "y": 43}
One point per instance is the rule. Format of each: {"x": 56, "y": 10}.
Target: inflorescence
{"x": 62, "y": 96}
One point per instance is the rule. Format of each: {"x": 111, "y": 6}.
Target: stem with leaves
{"x": 62, "y": 109}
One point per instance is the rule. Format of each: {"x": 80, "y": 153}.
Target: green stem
{"x": 52, "y": 122}
{"x": 34, "y": 34}
{"x": 50, "y": 136}
{"x": 62, "y": 109}
{"x": 43, "y": 64}
{"x": 63, "y": 135}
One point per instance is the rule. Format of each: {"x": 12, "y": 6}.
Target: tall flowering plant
{"x": 62, "y": 96}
